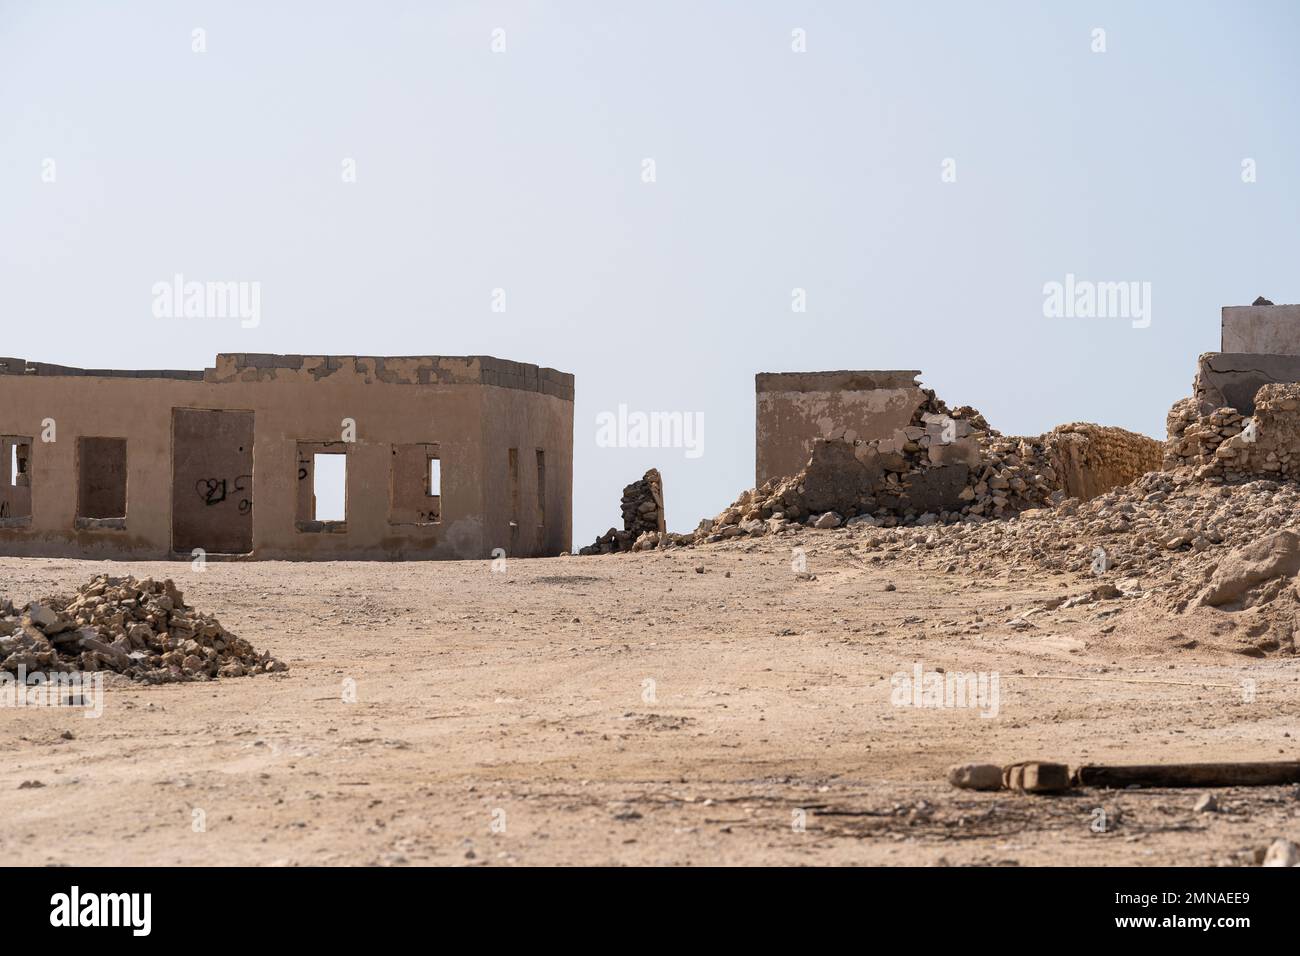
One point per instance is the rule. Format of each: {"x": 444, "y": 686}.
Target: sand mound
{"x": 1246, "y": 602}
{"x": 1254, "y": 574}
{"x": 1171, "y": 562}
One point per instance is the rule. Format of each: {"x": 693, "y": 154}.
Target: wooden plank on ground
{"x": 1261, "y": 774}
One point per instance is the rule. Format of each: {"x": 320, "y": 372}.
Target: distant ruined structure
{"x": 794, "y": 408}
{"x": 442, "y": 457}
{"x": 1242, "y": 420}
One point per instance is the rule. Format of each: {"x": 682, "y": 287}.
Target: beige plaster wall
{"x": 1262, "y": 329}
{"x": 793, "y": 408}
{"x": 467, "y": 420}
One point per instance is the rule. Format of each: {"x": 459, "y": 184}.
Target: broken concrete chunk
{"x": 130, "y": 627}
{"x": 45, "y": 618}
{"x": 1036, "y": 777}
{"x": 1282, "y": 853}
{"x": 1276, "y": 555}
{"x": 976, "y": 776}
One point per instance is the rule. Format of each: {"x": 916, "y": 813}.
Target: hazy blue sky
{"x": 775, "y": 170}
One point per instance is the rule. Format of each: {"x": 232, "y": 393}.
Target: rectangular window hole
{"x": 322, "y": 487}
{"x": 416, "y": 485}
{"x": 541, "y": 488}
{"x": 329, "y": 487}
{"x": 101, "y": 483}
{"x": 16, "y": 486}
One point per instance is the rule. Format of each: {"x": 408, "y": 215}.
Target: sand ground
{"x": 632, "y": 710}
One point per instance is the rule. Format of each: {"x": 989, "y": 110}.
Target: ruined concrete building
{"x": 1241, "y": 419}
{"x": 440, "y": 457}
{"x": 1260, "y": 345}
{"x": 794, "y": 408}
{"x": 874, "y": 446}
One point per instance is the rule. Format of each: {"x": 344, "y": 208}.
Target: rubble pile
{"x": 142, "y": 629}
{"x": 947, "y": 466}
{"x": 643, "y": 519}
{"x": 1166, "y": 525}
{"x": 1224, "y": 445}
{"x": 1251, "y": 590}
{"x": 643, "y": 504}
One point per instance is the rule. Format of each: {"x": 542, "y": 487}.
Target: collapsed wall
{"x": 643, "y": 517}
{"x": 946, "y": 465}
{"x": 1231, "y": 379}
{"x": 1092, "y": 459}
{"x": 793, "y": 409}
{"x": 1240, "y": 422}
{"x": 1227, "y": 446}
{"x": 939, "y": 465}
{"x": 643, "y": 504}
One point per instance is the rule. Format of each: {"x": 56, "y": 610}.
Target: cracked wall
{"x": 795, "y": 408}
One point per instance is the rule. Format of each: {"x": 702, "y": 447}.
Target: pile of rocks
{"x": 1166, "y": 525}
{"x": 1090, "y": 460}
{"x": 1224, "y": 445}
{"x": 946, "y": 466}
{"x": 643, "y": 504}
{"x": 142, "y": 629}
{"x": 643, "y": 519}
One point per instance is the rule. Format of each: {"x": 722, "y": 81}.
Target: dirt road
{"x": 633, "y": 710}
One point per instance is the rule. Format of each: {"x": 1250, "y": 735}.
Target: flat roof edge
{"x": 841, "y": 380}
{"x": 397, "y": 370}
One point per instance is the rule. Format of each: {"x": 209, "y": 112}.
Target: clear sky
{"x": 523, "y": 170}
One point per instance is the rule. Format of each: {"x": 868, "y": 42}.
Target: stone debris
{"x": 1282, "y": 853}
{"x": 1253, "y": 573}
{"x": 976, "y": 776}
{"x": 1213, "y": 560}
{"x": 947, "y": 466}
{"x": 643, "y": 504}
{"x": 141, "y": 629}
{"x": 1036, "y": 777}
{"x": 1164, "y": 522}
{"x": 1195, "y": 549}
{"x": 1081, "y": 498}
{"x": 643, "y": 519}
{"x": 1224, "y": 445}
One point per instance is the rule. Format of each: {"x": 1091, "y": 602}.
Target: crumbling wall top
{"x": 843, "y": 380}
{"x": 17, "y": 366}
{"x": 398, "y": 370}
{"x": 1261, "y": 328}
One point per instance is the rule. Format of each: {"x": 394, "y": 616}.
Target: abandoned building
{"x": 1260, "y": 346}
{"x": 875, "y": 443}
{"x": 794, "y": 408}
{"x": 1261, "y": 329}
{"x": 439, "y": 457}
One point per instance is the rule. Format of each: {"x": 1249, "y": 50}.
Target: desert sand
{"x": 714, "y": 705}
